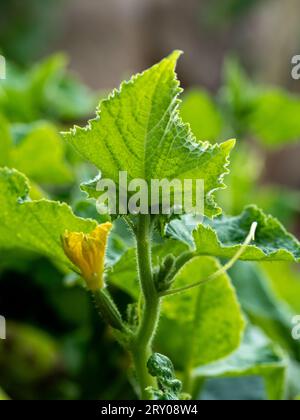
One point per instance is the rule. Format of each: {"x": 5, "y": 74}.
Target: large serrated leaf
{"x": 34, "y": 225}
{"x": 201, "y": 325}
{"x": 138, "y": 130}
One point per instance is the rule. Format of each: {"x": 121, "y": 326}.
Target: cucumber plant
{"x": 183, "y": 303}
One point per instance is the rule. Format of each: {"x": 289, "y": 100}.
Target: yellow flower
{"x": 87, "y": 252}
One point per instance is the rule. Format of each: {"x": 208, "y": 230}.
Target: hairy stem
{"x": 142, "y": 341}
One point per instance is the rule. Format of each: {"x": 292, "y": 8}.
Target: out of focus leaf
{"x": 36, "y": 150}
{"x": 31, "y": 156}
{"x": 237, "y": 97}
{"x": 263, "y": 307}
{"x": 285, "y": 281}
{"x": 201, "y": 325}
{"x": 27, "y": 354}
{"x": 275, "y": 118}
{"x": 256, "y": 356}
{"x": 45, "y": 91}
{"x": 242, "y": 184}
{"x": 199, "y": 110}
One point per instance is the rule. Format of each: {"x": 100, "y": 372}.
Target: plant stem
{"x": 108, "y": 310}
{"x": 142, "y": 341}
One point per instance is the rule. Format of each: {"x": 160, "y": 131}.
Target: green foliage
{"x": 45, "y": 91}
{"x": 223, "y": 237}
{"x": 27, "y": 27}
{"x": 162, "y": 368}
{"x": 210, "y": 324}
{"x": 138, "y": 130}
{"x": 256, "y": 356}
{"x": 20, "y": 143}
{"x": 267, "y": 113}
{"x": 196, "y": 103}
{"x": 285, "y": 280}
{"x": 34, "y": 225}
{"x": 143, "y": 129}
{"x": 263, "y": 307}
{"x": 275, "y": 118}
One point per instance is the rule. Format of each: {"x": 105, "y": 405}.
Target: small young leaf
{"x": 169, "y": 387}
{"x": 138, "y": 130}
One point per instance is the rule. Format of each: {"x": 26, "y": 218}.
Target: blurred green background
{"x": 62, "y": 57}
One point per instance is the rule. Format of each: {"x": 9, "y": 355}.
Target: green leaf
{"x": 199, "y": 110}
{"x": 26, "y": 148}
{"x": 169, "y": 388}
{"x": 138, "y": 130}
{"x": 285, "y": 280}
{"x": 263, "y": 307}
{"x": 275, "y": 119}
{"x": 202, "y": 325}
{"x": 257, "y": 356}
{"x": 45, "y": 91}
{"x": 224, "y": 236}
{"x": 34, "y": 225}
{"x": 58, "y": 93}
{"x": 31, "y": 155}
